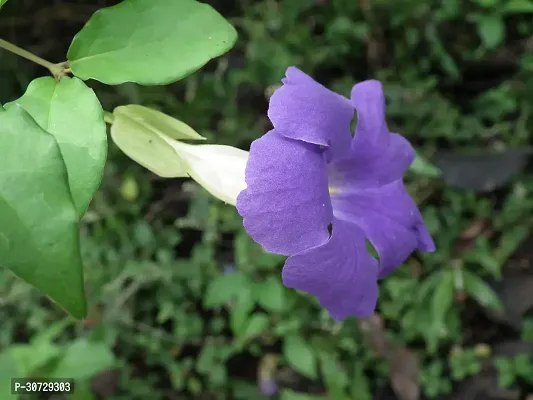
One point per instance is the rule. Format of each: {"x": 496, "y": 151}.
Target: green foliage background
{"x": 184, "y": 305}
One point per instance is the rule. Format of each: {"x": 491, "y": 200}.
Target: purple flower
{"x": 308, "y": 177}
{"x": 268, "y": 387}
{"x": 228, "y": 269}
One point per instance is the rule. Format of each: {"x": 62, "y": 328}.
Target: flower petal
{"x": 369, "y": 101}
{"x": 370, "y": 166}
{"x": 218, "y": 169}
{"x": 286, "y": 206}
{"x": 340, "y": 273}
{"x": 377, "y": 156}
{"x": 388, "y": 217}
{"x": 305, "y": 110}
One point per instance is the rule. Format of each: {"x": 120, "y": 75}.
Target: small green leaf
{"x": 39, "y": 234}
{"x": 360, "y": 387}
{"x": 241, "y": 310}
{"x": 49, "y": 334}
{"x": 71, "y": 112}
{"x": 517, "y": 6}
{"x": 256, "y": 325}
{"x": 300, "y": 356}
{"x": 270, "y": 294}
{"x": 84, "y": 359}
{"x": 334, "y": 376}
{"x": 506, "y": 373}
{"x": 486, "y": 3}
{"x": 2, "y": 2}
{"x": 491, "y": 30}
{"x": 82, "y": 391}
{"x": 8, "y": 370}
{"x": 443, "y": 296}
{"x": 291, "y": 395}
{"x": 523, "y": 366}
{"x": 207, "y": 358}
{"x": 224, "y": 288}
{"x": 149, "y": 42}
{"x": 491, "y": 264}
{"x": 479, "y": 290}
{"x": 30, "y": 358}
{"x": 422, "y": 167}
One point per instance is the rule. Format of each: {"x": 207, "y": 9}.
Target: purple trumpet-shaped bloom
{"x": 268, "y": 387}
{"x": 317, "y": 195}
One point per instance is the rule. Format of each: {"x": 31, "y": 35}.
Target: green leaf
{"x": 360, "y": 387}
{"x": 241, "y": 310}
{"x": 422, "y": 167}
{"x": 256, "y": 325}
{"x": 485, "y": 259}
{"x": 224, "y": 288}
{"x": 487, "y": 3}
{"x": 2, "y": 2}
{"x": 8, "y": 370}
{"x": 82, "y": 391}
{"x": 30, "y": 358}
{"x": 517, "y": 6}
{"x": 300, "y": 356}
{"x": 207, "y": 358}
{"x": 84, "y": 359}
{"x": 49, "y": 334}
{"x": 506, "y": 373}
{"x": 270, "y": 294}
{"x": 149, "y": 42}
{"x": 39, "y": 234}
{"x": 443, "y": 297}
{"x": 523, "y": 366}
{"x": 291, "y": 395}
{"x": 491, "y": 30}
{"x": 479, "y": 290}
{"x": 334, "y": 375}
{"x": 71, "y": 112}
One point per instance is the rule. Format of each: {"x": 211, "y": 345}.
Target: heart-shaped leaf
{"x": 71, "y": 112}
{"x": 39, "y": 234}
{"x": 149, "y": 42}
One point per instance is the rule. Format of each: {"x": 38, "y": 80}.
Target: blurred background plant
{"x": 184, "y": 305}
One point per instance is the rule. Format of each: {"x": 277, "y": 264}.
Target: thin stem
{"x": 26, "y": 54}
{"x": 57, "y": 70}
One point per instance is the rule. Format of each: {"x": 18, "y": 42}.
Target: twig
{"x": 57, "y": 70}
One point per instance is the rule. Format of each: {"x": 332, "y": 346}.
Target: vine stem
{"x": 57, "y": 70}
